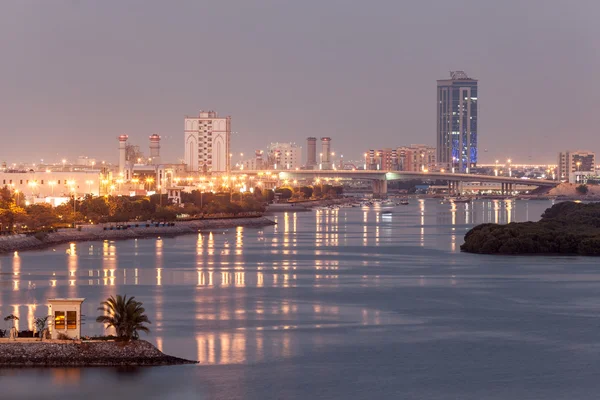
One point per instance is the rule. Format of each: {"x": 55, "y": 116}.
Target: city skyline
{"x": 72, "y": 90}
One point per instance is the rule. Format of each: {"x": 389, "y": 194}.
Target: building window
{"x": 21, "y": 182}
{"x": 71, "y": 319}
{"x": 59, "y": 320}
{"x": 59, "y": 181}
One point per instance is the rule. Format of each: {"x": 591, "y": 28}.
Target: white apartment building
{"x": 573, "y": 166}
{"x": 40, "y": 184}
{"x": 284, "y": 156}
{"x": 207, "y": 142}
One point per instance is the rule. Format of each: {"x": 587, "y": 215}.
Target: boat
{"x": 459, "y": 199}
{"x": 386, "y": 212}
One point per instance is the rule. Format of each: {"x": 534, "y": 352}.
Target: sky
{"x": 76, "y": 74}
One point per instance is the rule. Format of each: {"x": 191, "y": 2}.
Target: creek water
{"x": 331, "y": 304}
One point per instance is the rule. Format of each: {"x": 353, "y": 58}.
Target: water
{"x": 341, "y": 304}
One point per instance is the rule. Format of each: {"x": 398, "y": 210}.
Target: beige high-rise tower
{"x": 207, "y": 142}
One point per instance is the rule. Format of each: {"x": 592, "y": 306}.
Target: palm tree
{"x": 125, "y": 315}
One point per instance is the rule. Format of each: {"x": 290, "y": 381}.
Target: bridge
{"x": 379, "y": 179}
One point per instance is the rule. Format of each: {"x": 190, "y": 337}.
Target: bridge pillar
{"x": 379, "y": 188}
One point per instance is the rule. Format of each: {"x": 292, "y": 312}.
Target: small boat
{"x": 460, "y": 199}
{"x": 386, "y": 212}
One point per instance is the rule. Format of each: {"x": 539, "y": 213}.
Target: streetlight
{"x": 89, "y": 183}
{"x": 52, "y": 184}
{"x": 509, "y": 169}
{"x": 32, "y": 185}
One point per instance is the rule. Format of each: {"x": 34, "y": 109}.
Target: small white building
{"x": 66, "y": 317}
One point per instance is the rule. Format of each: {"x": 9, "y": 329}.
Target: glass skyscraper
{"x": 457, "y": 122}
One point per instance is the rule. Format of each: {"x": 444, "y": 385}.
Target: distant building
{"x": 253, "y": 164}
{"x": 207, "y": 142}
{"x": 416, "y": 158}
{"x": 574, "y": 166}
{"x": 383, "y": 159}
{"x": 311, "y": 153}
{"x": 284, "y": 156}
{"x": 457, "y": 122}
{"x": 42, "y": 184}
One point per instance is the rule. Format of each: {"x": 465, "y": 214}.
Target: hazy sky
{"x": 75, "y": 74}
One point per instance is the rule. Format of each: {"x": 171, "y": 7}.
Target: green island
{"x": 565, "y": 228}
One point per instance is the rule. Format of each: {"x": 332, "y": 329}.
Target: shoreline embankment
{"x": 91, "y": 233}
{"x": 84, "y": 354}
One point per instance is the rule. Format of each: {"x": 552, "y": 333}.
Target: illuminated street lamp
{"x": 52, "y": 184}
{"x": 89, "y": 183}
{"x": 32, "y": 185}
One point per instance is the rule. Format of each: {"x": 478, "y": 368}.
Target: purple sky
{"x": 75, "y": 74}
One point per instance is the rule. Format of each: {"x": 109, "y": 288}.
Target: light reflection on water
{"x": 322, "y": 288}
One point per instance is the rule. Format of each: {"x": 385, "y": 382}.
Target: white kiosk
{"x": 66, "y": 317}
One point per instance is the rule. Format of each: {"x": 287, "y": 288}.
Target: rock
{"x": 95, "y": 353}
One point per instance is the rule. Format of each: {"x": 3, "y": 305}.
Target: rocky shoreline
{"x": 14, "y": 243}
{"x": 84, "y": 354}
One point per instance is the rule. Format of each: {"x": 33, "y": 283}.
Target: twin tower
{"x": 324, "y": 160}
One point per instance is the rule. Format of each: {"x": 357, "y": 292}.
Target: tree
{"x": 124, "y": 314}
{"x": 582, "y": 189}
{"x": 317, "y": 191}
{"x": 284, "y": 193}
{"x": 307, "y": 191}
{"x": 40, "y": 325}
{"x": 41, "y": 216}
{"x": 268, "y": 195}
{"x": 12, "y": 318}
{"x": 12, "y": 215}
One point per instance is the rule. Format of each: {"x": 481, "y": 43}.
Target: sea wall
{"x": 105, "y": 353}
{"x": 97, "y": 233}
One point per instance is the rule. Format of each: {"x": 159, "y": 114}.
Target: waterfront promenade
{"x": 97, "y": 232}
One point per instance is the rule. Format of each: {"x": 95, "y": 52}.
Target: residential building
{"x": 457, "y": 122}
{"x": 416, "y": 157}
{"x": 207, "y": 142}
{"x": 574, "y": 166}
{"x": 284, "y": 156}
{"x": 383, "y": 159}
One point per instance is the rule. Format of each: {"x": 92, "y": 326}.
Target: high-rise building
{"x": 573, "y": 166}
{"x": 284, "y": 156}
{"x": 207, "y": 142}
{"x": 457, "y": 122}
